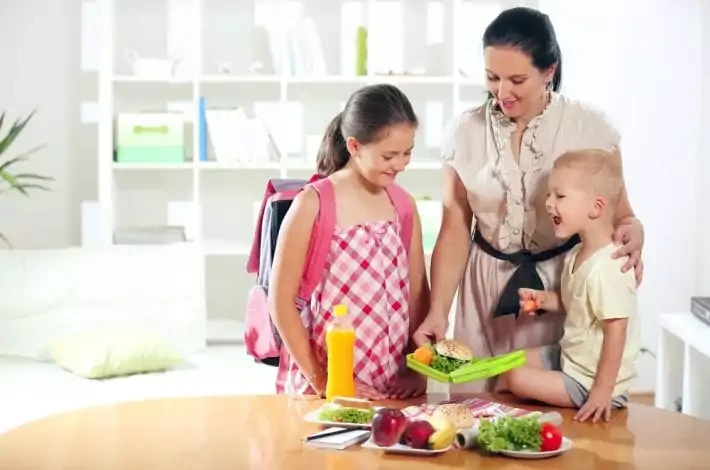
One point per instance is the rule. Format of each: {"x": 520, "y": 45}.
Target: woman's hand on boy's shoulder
{"x": 629, "y": 235}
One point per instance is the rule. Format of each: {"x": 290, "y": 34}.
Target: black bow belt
{"x": 525, "y": 276}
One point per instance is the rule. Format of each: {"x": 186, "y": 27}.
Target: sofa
{"x": 54, "y": 295}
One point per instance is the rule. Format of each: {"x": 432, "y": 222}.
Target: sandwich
{"x": 347, "y": 410}
{"x": 449, "y": 355}
{"x": 460, "y": 416}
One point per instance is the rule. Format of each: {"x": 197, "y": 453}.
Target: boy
{"x": 592, "y": 366}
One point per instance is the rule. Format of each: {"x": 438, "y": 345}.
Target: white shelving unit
{"x": 436, "y": 39}
{"x": 683, "y": 365}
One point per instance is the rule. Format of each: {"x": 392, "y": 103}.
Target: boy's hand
{"x": 532, "y": 300}
{"x": 597, "y": 406}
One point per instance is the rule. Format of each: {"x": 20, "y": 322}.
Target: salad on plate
{"x": 347, "y": 411}
{"x": 524, "y": 435}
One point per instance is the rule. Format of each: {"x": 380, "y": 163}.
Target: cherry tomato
{"x": 529, "y": 305}
{"x": 551, "y": 437}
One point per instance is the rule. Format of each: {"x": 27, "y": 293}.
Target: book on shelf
{"x": 235, "y": 137}
{"x": 305, "y": 51}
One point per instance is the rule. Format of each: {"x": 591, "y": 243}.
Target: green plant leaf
{"x": 12, "y": 181}
{"x": 10, "y": 162}
{"x": 15, "y": 130}
{"x": 21, "y": 182}
{"x": 32, "y": 176}
{"x": 3, "y": 237}
{"x": 21, "y": 157}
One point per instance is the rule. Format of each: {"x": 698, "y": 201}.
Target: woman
{"x": 497, "y": 160}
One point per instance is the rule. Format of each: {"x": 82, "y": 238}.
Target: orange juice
{"x": 340, "y": 344}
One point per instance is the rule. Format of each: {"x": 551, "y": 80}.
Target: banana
{"x": 444, "y": 433}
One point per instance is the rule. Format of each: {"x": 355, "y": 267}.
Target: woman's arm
{"x": 286, "y": 274}
{"x": 623, "y": 208}
{"x": 418, "y": 283}
{"x": 628, "y": 230}
{"x": 452, "y": 245}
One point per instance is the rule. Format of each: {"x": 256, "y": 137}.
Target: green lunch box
{"x": 150, "y": 138}
{"x": 477, "y": 369}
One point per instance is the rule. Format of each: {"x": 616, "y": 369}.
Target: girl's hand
{"x": 367, "y": 392}
{"x": 408, "y": 385}
{"x": 532, "y": 300}
{"x": 432, "y": 330}
{"x": 629, "y": 234}
{"x": 318, "y": 382}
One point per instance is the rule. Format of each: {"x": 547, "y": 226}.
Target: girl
{"x": 363, "y": 150}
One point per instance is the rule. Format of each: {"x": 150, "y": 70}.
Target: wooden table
{"x": 264, "y": 432}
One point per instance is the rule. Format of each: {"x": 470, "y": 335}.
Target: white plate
{"x": 522, "y": 454}
{"x": 313, "y": 417}
{"x": 402, "y": 449}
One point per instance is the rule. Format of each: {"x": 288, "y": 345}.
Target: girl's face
{"x": 516, "y": 83}
{"x": 382, "y": 160}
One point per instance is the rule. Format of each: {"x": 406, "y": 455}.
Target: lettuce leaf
{"x": 446, "y": 364}
{"x": 347, "y": 415}
{"x": 509, "y": 433}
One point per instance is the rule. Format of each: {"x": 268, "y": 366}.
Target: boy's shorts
{"x": 550, "y": 357}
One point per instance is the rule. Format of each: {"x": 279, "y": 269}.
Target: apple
{"x": 388, "y": 424}
{"x": 417, "y": 433}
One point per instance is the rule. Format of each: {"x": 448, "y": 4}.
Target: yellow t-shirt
{"x": 596, "y": 291}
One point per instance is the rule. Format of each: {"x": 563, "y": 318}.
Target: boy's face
{"x": 570, "y": 201}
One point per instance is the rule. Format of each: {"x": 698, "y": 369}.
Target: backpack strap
{"x": 275, "y": 188}
{"x": 254, "y": 252}
{"x": 404, "y": 207}
{"x": 321, "y": 235}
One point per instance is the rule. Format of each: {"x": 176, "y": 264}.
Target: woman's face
{"x": 516, "y": 83}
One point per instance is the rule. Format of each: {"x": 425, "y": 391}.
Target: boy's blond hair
{"x": 601, "y": 168}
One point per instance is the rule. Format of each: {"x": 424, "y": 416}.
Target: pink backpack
{"x": 260, "y": 335}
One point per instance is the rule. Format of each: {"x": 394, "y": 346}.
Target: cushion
{"x": 103, "y": 354}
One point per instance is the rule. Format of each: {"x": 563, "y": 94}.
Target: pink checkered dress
{"x": 367, "y": 270}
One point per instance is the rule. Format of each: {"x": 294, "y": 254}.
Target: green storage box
{"x": 150, "y": 138}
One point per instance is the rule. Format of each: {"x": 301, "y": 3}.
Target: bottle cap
{"x": 340, "y": 310}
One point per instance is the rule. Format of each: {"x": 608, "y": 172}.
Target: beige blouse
{"x": 507, "y": 199}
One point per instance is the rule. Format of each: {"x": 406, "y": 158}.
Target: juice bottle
{"x": 340, "y": 344}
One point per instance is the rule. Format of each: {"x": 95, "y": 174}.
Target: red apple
{"x": 388, "y": 426}
{"x": 417, "y": 434}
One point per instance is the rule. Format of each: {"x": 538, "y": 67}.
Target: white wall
{"x": 702, "y": 282}
{"x": 39, "y": 54}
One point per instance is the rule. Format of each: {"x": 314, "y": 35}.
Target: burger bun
{"x": 453, "y": 349}
{"x": 460, "y": 416}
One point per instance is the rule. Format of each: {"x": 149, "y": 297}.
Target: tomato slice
{"x": 551, "y": 437}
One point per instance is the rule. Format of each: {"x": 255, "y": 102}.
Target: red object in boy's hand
{"x": 551, "y": 437}
{"x": 529, "y": 306}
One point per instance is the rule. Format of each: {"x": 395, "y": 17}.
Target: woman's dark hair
{"x": 531, "y": 32}
{"x": 367, "y": 112}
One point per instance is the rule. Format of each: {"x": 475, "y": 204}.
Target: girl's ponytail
{"x": 333, "y": 154}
